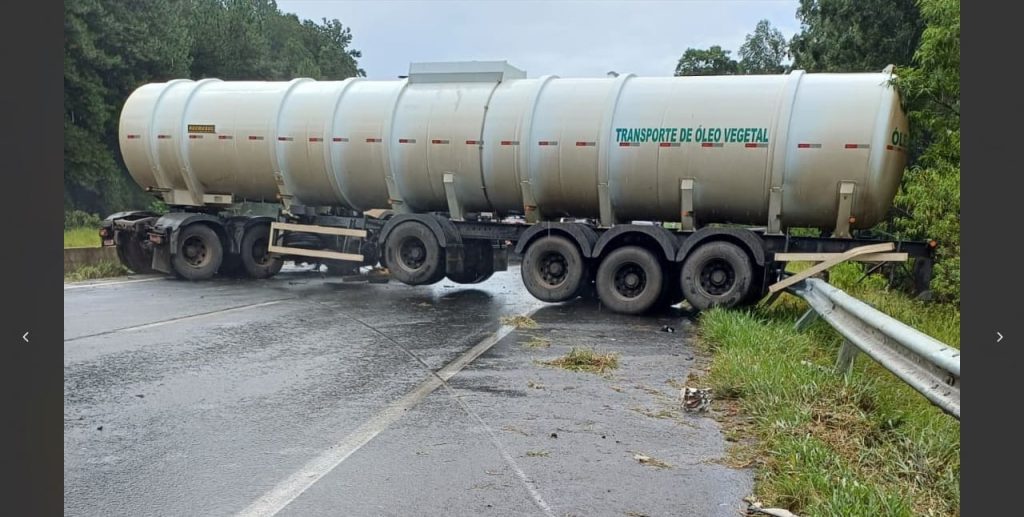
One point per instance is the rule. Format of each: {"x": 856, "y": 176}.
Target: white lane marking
{"x": 105, "y": 284}
{"x": 181, "y": 319}
{"x": 280, "y": 496}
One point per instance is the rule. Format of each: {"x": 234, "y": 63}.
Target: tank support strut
{"x": 686, "y": 217}
{"x": 454, "y": 205}
{"x": 843, "y": 212}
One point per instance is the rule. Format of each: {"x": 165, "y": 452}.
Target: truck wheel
{"x": 257, "y": 261}
{"x": 478, "y": 263}
{"x": 133, "y": 256}
{"x": 199, "y": 253}
{"x": 629, "y": 280}
{"x": 553, "y": 269}
{"x": 716, "y": 274}
{"x": 414, "y": 256}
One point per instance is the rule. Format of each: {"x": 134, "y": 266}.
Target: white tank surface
{"x": 613, "y": 148}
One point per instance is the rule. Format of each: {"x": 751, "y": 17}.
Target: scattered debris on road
{"x": 668, "y": 329}
{"x": 644, "y": 459}
{"x": 534, "y": 385}
{"x": 537, "y": 342}
{"x": 756, "y": 508}
{"x": 583, "y": 359}
{"x": 537, "y": 454}
{"x": 696, "y": 399}
{"x": 519, "y": 322}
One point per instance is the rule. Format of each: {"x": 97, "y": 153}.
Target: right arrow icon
{"x": 1000, "y": 338}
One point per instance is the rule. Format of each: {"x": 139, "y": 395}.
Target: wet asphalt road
{"x": 306, "y": 395}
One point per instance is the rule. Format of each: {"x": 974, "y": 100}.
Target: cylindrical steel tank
{"x": 562, "y": 147}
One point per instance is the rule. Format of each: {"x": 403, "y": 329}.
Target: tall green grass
{"x": 825, "y": 444}
{"x": 82, "y": 237}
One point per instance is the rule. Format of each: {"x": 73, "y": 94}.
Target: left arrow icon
{"x": 25, "y": 337}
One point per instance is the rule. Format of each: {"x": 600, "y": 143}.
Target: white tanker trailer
{"x": 423, "y": 174}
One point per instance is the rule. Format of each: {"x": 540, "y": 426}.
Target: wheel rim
{"x": 630, "y": 280}
{"x": 553, "y": 268}
{"x": 195, "y": 251}
{"x": 412, "y": 253}
{"x": 717, "y": 277}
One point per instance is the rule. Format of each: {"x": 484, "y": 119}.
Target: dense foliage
{"x": 928, "y": 204}
{"x": 112, "y": 47}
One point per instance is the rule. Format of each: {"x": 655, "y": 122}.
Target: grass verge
{"x": 101, "y": 270}
{"x": 583, "y": 359}
{"x": 86, "y": 237}
{"x": 825, "y": 445}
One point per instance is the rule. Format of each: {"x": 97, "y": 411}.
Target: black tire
{"x": 629, "y": 280}
{"x": 199, "y": 254}
{"x": 553, "y": 269}
{"x": 256, "y": 260}
{"x": 478, "y": 263}
{"x": 716, "y": 274}
{"x": 133, "y": 256}
{"x": 414, "y": 256}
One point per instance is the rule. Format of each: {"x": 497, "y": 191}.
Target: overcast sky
{"x": 564, "y": 38}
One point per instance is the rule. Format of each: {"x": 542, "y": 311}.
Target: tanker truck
{"x": 640, "y": 191}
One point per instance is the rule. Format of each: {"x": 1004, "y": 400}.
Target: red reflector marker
{"x": 225, "y": 137}
{"x": 255, "y": 137}
{"x": 407, "y": 140}
{"x": 439, "y": 141}
{"x": 586, "y": 144}
{"x": 373, "y": 140}
{"x": 510, "y": 142}
{"x": 315, "y": 139}
{"x": 284, "y": 139}
{"x": 195, "y": 137}
{"x": 474, "y": 142}
{"x": 133, "y": 137}
{"x": 163, "y": 137}
{"x": 339, "y": 139}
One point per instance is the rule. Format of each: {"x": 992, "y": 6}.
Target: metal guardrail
{"x": 926, "y": 364}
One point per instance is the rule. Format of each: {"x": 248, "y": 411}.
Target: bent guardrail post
{"x": 926, "y": 364}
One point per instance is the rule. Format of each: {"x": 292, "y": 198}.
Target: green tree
{"x": 111, "y": 47}
{"x": 855, "y": 35}
{"x": 712, "y": 61}
{"x": 928, "y": 203}
{"x": 764, "y": 50}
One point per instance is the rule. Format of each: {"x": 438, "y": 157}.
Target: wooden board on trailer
{"x": 838, "y": 259}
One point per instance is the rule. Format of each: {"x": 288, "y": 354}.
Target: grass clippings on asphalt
{"x": 584, "y": 359}
{"x": 519, "y": 322}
